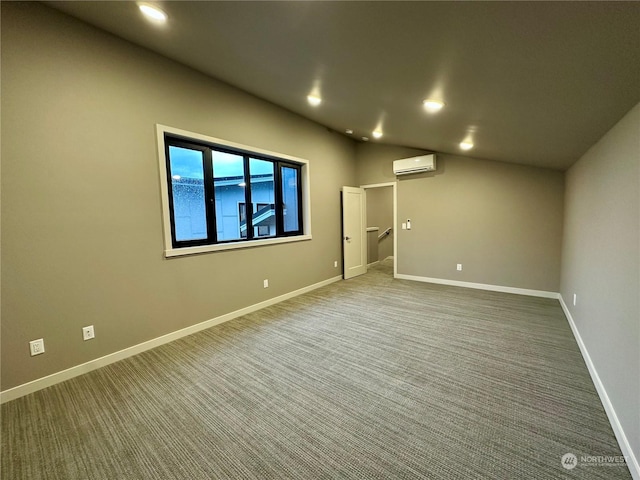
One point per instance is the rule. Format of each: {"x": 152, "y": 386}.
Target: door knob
{"x": 347, "y": 238}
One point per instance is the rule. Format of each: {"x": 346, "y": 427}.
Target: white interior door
{"x": 354, "y": 238}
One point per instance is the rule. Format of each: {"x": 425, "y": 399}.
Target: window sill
{"x": 179, "y": 252}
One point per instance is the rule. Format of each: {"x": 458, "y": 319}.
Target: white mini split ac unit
{"x": 423, "y": 163}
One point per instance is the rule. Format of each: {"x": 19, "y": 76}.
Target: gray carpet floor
{"x": 370, "y": 378}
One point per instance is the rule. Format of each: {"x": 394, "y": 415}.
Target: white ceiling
{"x": 535, "y": 83}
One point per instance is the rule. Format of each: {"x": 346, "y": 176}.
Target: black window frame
{"x": 171, "y": 140}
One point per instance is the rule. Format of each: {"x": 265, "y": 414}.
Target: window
{"x": 210, "y": 183}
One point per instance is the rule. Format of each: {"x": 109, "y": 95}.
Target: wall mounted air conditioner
{"x": 423, "y": 163}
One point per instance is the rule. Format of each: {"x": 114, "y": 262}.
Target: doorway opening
{"x": 381, "y": 212}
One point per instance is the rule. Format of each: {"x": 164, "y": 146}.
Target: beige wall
{"x": 372, "y": 246}
{"x": 380, "y": 214}
{"x": 502, "y": 222}
{"x": 82, "y": 226}
{"x": 601, "y": 264}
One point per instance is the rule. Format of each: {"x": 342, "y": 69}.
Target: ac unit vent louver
{"x": 423, "y": 163}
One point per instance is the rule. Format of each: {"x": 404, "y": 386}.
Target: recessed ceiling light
{"x": 153, "y": 13}
{"x": 432, "y": 105}
{"x": 348, "y": 131}
{"x": 376, "y": 134}
{"x": 314, "y": 100}
{"x": 466, "y": 145}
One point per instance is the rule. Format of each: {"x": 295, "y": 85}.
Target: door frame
{"x": 395, "y": 217}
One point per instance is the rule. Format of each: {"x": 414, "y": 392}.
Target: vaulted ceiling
{"x": 535, "y": 83}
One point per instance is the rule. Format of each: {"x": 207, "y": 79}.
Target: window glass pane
{"x": 229, "y": 185}
{"x": 230, "y": 197}
{"x": 187, "y": 186}
{"x": 290, "y": 199}
{"x": 262, "y": 198}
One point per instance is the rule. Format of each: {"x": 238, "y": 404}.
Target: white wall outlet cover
{"x": 459, "y": 267}
{"x": 265, "y": 283}
{"x": 88, "y": 333}
{"x": 404, "y": 226}
{"x": 36, "y": 347}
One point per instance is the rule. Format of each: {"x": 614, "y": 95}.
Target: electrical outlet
{"x": 335, "y": 264}
{"x": 459, "y": 267}
{"x": 265, "y": 283}
{"x": 36, "y": 347}
{"x": 88, "y": 333}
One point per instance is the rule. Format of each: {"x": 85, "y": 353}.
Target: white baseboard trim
{"x": 625, "y": 447}
{"x": 369, "y": 265}
{"x": 58, "y": 377}
{"x": 481, "y": 286}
